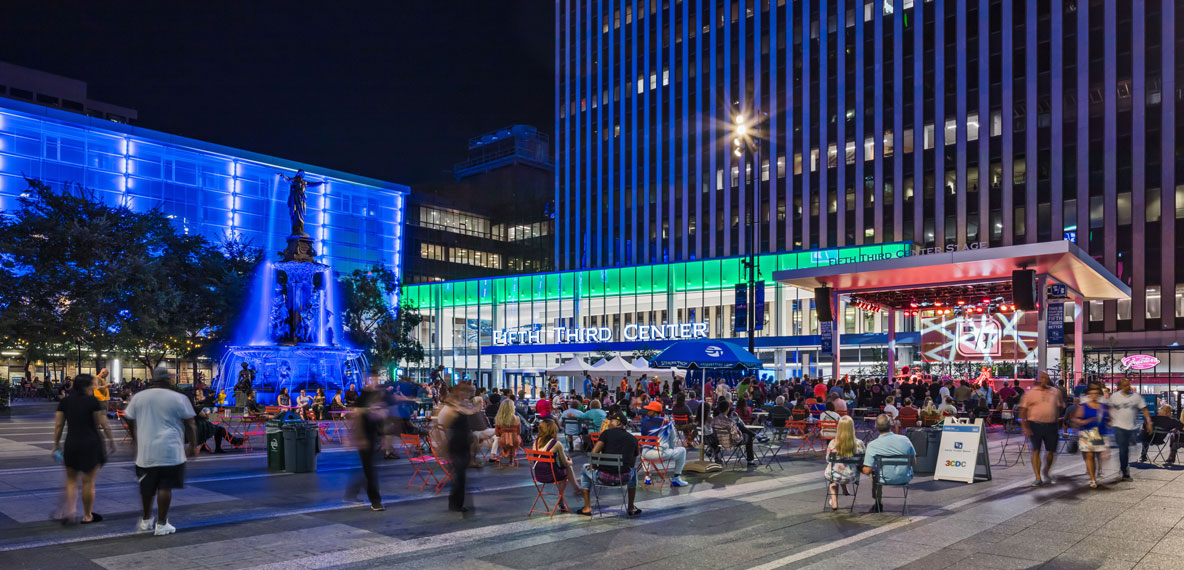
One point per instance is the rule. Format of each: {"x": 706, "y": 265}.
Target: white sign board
{"x": 957, "y": 455}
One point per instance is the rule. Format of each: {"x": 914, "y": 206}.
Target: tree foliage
{"x": 371, "y": 323}
{"x": 77, "y": 271}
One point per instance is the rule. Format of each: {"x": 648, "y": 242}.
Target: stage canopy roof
{"x": 970, "y": 275}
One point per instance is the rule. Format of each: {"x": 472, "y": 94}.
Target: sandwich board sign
{"x": 962, "y": 451}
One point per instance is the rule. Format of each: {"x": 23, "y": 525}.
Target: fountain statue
{"x": 289, "y": 336}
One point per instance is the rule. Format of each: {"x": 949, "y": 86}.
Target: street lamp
{"x": 744, "y": 139}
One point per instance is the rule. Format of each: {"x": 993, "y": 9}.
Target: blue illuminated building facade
{"x": 205, "y": 188}
{"x": 947, "y": 123}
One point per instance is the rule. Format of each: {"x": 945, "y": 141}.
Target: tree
{"x": 386, "y": 333}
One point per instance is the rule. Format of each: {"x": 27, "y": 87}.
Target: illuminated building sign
{"x": 1140, "y": 362}
{"x": 630, "y": 332}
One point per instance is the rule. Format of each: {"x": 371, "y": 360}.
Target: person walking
{"x": 84, "y": 417}
{"x": 1039, "y": 411}
{"x": 1125, "y": 405}
{"x": 160, "y": 421}
{"x": 453, "y": 419}
{"x": 369, "y": 418}
{"x": 1090, "y": 418}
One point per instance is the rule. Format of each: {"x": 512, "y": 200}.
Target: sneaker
{"x": 377, "y": 507}
{"x": 1126, "y": 479}
{"x": 678, "y": 482}
{"x": 163, "y": 529}
{"x": 1050, "y": 480}
{"x": 144, "y": 525}
{"x": 1037, "y": 483}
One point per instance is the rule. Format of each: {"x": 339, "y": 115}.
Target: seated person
{"x": 252, "y": 406}
{"x": 483, "y": 432}
{"x": 351, "y": 395}
{"x": 800, "y": 412}
{"x": 206, "y": 429}
{"x": 729, "y": 433}
{"x": 558, "y": 473}
{"x": 839, "y": 403}
{"x": 616, "y": 441}
{"x": 1163, "y": 422}
{"x": 595, "y": 415}
{"x": 651, "y": 424}
{"x": 929, "y": 414}
{"x": 318, "y": 405}
{"x": 845, "y": 446}
{"x": 543, "y": 408}
{"x": 282, "y": 399}
{"x": 337, "y": 404}
{"x": 908, "y": 416}
{"x": 887, "y": 443}
{"x": 507, "y": 427}
{"x": 947, "y": 409}
{"x": 779, "y": 414}
{"x": 743, "y": 412}
{"x": 830, "y": 415}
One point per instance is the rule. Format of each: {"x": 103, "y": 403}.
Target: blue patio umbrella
{"x": 705, "y": 354}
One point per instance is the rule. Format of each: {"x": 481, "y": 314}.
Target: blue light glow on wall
{"x": 205, "y": 188}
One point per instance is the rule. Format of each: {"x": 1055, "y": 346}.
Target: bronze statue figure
{"x": 296, "y": 201}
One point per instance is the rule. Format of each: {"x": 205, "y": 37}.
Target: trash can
{"x": 927, "y": 443}
{"x": 300, "y": 447}
{"x": 274, "y": 436}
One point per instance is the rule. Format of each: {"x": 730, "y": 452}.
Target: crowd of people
{"x": 470, "y": 427}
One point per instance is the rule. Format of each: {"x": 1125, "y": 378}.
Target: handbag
{"x": 1094, "y": 436}
{"x": 1073, "y": 447}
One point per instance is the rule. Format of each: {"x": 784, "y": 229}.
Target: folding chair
{"x": 659, "y": 466}
{"x": 571, "y": 427}
{"x": 599, "y": 461}
{"x": 771, "y": 449}
{"x": 827, "y": 431}
{"x": 421, "y": 463}
{"x": 799, "y": 431}
{"x": 546, "y": 459}
{"x": 681, "y": 420}
{"x": 854, "y": 464}
{"x": 507, "y": 456}
{"x": 444, "y": 463}
{"x": 878, "y": 464}
{"x": 127, "y": 432}
{"x": 724, "y": 449}
{"x": 1020, "y": 448}
{"x": 1165, "y": 439}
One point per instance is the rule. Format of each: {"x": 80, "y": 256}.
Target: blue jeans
{"x": 1124, "y": 438}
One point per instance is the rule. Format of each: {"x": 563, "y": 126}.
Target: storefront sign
{"x": 1140, "y": 362}
{"x": 951, "y": 248}
{"x": 631, "y": 332}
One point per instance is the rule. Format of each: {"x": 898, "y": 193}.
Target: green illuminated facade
{"x": 467, "y": 323}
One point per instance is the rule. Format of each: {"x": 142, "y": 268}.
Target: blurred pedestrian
{"x": 1125, "y": 408}
{"x": 160, "y": 421}
{"x": 369, "y": 419}
{"x": 84, "y": 417}
{"x": 453, "y": 419}
{"x": 1090, "y": 420}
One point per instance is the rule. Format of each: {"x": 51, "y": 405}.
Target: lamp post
{"x": 744, "y": 139}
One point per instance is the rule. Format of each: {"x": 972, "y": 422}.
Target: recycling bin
{"x": 274, "y": 437}
{"x": 300, "y": 447}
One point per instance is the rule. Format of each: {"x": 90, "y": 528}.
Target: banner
{"x": 959, "y": 452}
{"x": 828, "y": 339}
{"x": 740, "y": 310}
{"x": 1056, "y": 324}
{"x": 758, "y": 315}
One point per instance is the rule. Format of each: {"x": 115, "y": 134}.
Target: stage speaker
{"x": 1023, "y": 289}
{"x": 822, "y": 298}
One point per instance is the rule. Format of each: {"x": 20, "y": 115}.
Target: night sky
{"x": 392, "y": 90}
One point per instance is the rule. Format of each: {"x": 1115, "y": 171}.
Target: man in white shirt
{"x": 160, "y": 421}
{"x": 1125, "y": 406}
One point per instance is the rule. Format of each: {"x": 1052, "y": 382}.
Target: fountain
{"x": 289, "y": 336}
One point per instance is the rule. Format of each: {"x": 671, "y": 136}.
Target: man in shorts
{"x": 1039, "y": 410}
{"x": 160, "y": 421}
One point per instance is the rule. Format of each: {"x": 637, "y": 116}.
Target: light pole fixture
{"x": 746, "y": 139}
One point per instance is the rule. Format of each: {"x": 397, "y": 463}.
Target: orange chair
{"x": 801, "y": 431}
{"x": 507, "y": 455}
{"x": 595, "y": 437}
{"x": 827, "y": 430}
{"x": 545, "y": 460}
{"x": 687, "y": 440}
{"x": 659, "y": 467}
{"x": 444, "y": 463}
{"x": 421, "y": 463}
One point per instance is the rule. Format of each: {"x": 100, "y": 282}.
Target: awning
{"x": 1062, "y": 261}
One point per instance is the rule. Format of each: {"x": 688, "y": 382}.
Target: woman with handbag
{"x": 1089, "y": 419}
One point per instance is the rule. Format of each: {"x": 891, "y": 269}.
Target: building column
{"x": 892, "y": 342}
{"x": 836, "y": 334}
{"x": 1041, "y": 324}
{"x": 1078, "y": 338}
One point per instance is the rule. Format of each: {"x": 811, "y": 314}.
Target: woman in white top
{"x": 947, "y": 408}
{"x": 891, "y": 411}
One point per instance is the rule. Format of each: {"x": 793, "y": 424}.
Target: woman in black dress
{"x": 368, "y": 421}
{"x": 453, "y": 419}
{"x": 83, "y": 416}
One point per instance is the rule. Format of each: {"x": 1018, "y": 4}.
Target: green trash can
{"x": 300, "y": 447}
{"x": 274, "y": 436}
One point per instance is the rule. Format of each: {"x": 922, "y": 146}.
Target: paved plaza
{"x": 233, "y": 513}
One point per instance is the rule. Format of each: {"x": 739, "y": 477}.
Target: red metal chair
{"x": 507, "y": 455}
{"x": 545, "y": 459}
{"x": 422, "y": 464}
{"x": 659, "y": 467}
{"x": 444, "y": 463}
{"x": 682, "y": 420}
{"x": 827, "y": 430}
{"x": 801, "y": 431}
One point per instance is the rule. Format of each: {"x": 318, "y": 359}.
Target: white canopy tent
{"x": 573, "y": 367}
{"x": 617, "y": 367}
